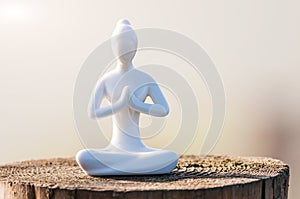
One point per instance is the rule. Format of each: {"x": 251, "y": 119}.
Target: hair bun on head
{"x": 123, "y": 22}
{"x": 123, "y": 25}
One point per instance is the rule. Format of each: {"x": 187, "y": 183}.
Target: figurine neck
{"x": 124, "y": 66}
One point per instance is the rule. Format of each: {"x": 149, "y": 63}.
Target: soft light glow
{"x": 15, "y": 13}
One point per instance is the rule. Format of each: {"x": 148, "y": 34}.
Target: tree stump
{"x": 217, "y": 177}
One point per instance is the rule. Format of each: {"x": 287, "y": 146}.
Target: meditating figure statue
{"x": 126, "y": 88}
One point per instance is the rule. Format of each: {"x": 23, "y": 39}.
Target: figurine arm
{"x": 95, "y": 111}
{"x": 160, "y": 107}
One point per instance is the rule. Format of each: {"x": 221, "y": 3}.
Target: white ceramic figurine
{"x": 126, "y": 88}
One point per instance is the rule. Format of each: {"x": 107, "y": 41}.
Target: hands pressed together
{"x": 129, "y": 99}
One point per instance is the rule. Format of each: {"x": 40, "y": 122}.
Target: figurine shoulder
{"x": 145, "y": 76}
{"x": 102, "y": 81}
{"x": 108, "y": 77}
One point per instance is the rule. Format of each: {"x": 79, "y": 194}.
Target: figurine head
{"x": 124, "y": 41}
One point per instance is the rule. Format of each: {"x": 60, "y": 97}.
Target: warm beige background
{"x": 255, "y": 45}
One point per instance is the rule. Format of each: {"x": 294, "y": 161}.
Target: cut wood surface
{"x": 216, "y": 177}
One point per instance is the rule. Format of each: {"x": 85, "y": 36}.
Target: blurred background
{"x": 254, "y": 44}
